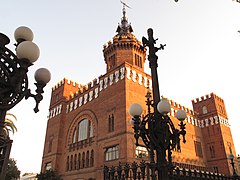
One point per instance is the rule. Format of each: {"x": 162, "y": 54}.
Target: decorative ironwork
{"x": 156, "y": 129}
{"x": 141, "y": 172}
{"x": 14, "y": 82}
{"x": 5, "y": 148}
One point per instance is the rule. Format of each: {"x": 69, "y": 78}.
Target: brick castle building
{"x": 89, "y": 126}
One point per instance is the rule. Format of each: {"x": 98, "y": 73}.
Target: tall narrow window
{"x": 230, "y": 147}
{"x": 71, "y": 163}
{"x": 75, "y": 161}
{"x": 138, "y": 60}
{"x": 67, "y": 164}
{"x": 79, "y": 161}
{"x": 83, "y": 160}
{"x": 87, "y": 159}
{"x": 215, "y": 169}
{"x": 198, "y": 148}
{"x": 57, "y": 97}
{"x": 92, "y": 158}
{"x": 111, "y": 123}
{"x": 212, "y": 151}
{"x": 50, "y": 144}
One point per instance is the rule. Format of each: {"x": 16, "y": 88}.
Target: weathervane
{"x": 125, "y": 5}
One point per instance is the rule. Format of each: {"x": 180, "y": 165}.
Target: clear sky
{"x": 202, "y": 53}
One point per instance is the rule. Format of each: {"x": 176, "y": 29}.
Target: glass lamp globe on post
{"x": 14, "y": 80}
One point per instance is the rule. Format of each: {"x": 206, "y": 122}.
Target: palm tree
{"x": 8, "y": 126}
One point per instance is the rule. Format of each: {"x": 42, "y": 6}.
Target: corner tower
{"x": 215, "y": 128}
{"x": 124, "y": 47}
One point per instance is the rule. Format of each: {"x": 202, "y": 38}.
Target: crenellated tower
{"x": 124, "y": 47}
{"x": 215, "y": 128}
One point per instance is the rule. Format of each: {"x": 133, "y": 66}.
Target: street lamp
{"x": 14, "y": 81}
{"x": 156, "y": 129}
{"x": 231, "y": 158}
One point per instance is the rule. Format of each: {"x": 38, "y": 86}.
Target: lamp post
{"x": 231, "y": 158}
{"x": 156, "y": 129}
{"x": 14, "y": 81}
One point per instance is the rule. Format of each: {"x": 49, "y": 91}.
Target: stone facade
{"x": 89, "y": 125}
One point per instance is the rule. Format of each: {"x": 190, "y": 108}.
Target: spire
{"x": 124, "y": 28}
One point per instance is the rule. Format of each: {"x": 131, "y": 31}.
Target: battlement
{"x": 125, "y": 42}
{"x": 85, "y": 88}
{"x": 207, "y": 97}
{"x": 68, "y": 82}
{"x": 176, "y": 105}
{"x": 203, "y": 98}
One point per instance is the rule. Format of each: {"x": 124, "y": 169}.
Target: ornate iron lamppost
{"x": 156, "y": 129}
{"x": 231, "y": 158}
{"x": 14, "y": 81}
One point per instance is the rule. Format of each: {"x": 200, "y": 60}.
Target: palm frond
{"x": 9, "y": 125}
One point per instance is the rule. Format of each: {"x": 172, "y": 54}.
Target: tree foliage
{"x": 12, "y": 170}
{"x": 48, "y": 175}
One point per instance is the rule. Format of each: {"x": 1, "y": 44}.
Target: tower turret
{"x": 124, "y": 47}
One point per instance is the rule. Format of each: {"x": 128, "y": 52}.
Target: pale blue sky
{"x": 202, "y": 53}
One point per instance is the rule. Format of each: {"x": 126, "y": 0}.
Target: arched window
{"x": 111, "y": 123}
{"x": 87, "y": 159}
{"x": 67, "y": 164}
{"x": 212, "y": 151}
{"x": 85, "y": 130}
{"x": 82, "y": 130}
{"x": 92, "y": 159}
{"x": 74, "y": 140}
{"x": 50, "y": 144}
{"x": 204, "y": 110}
{"x": 71, "y": 163}
{"x": 79, "y": 160}
{"x": 221, "y": 109}
{"x": 83, "y": 160}
{"x": 75, "y": 161}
